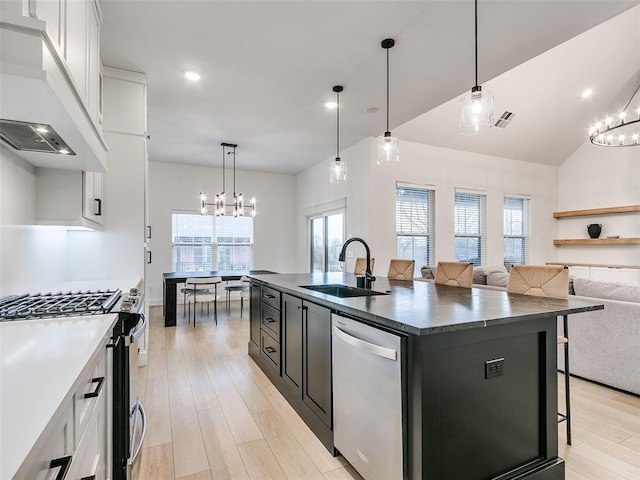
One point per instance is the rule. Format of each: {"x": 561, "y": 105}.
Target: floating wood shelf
{"x": 605, "y": 265}
{"x": 596, "y": 241}
{"x": 597, "y": 211}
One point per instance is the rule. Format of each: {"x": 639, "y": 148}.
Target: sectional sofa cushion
{"x": 498, "y": 279}
{"x": 607, "y": 290}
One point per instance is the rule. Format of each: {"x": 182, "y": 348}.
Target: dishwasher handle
{"x": 378, "y": 350}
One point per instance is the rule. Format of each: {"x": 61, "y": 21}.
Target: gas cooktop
{"x": 62, "y": 304}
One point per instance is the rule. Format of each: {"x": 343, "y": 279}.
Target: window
{"x": 415, "y": 226}
{"x": 469, "y": 226}
{"x": 516, "y": 230}
{"x": 201, "y": 243}
{"x": 327, "y": 237}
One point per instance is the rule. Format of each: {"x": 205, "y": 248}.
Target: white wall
{"x": 177, "y": 187}
{"x": 596, "y": 177}
{"x": 370, "y": 198}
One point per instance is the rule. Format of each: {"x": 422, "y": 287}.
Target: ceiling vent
{"x": 33, "y": 137}
{"x": 505, "y": 119}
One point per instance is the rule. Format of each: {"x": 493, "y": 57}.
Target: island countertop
{"x": 424, "y": 308}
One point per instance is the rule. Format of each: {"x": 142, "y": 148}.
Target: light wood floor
{"x": 213, "y": 414}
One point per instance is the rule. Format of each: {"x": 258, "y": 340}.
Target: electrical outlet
{"x": 494, "y": 368}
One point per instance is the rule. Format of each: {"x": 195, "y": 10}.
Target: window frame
{"x": 526, "y": 228}
{"x": 213, "y": 246}
{"x": 429, "y": 233}
{"x": 481, "y": 235}
{"x": 325, "y": 236}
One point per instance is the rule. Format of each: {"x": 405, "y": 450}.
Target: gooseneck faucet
{"x": 368, "y": 278}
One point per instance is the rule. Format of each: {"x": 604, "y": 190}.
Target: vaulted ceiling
{"x": 268, "y": 67}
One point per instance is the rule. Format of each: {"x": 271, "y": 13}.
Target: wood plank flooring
{"x": 213, "y": 414}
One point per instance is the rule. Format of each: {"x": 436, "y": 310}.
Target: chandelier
{"x": 623, "y": 130}
{"x": 237, "y": 208}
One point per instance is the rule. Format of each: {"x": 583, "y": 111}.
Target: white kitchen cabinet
{"x": 69, "y": 198}
{"x": 77, "y": 437}
{"x": 50, "y": 73}
{"x": 92, "y": 194}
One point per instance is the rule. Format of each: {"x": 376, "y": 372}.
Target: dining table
{"x": 170, "y": 281}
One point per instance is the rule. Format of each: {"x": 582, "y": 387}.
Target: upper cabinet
{"x": 51, "y": 74}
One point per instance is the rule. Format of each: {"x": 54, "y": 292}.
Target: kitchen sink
{"x": 342, "y": 291}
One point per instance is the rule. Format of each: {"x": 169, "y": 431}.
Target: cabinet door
{"x": 316, "y": 389}
{"x": 92, "y": 205}
{"x": 292, "y": 341}
{"x": 93, "y": 63}
{"x": 51, "y": 12}
{"x": 76, "y": 44}
{"x": 254, "y": 316}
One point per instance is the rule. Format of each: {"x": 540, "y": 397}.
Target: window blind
{"x": 469, "y": 226}
{"x": 516, "y": 230}
{"x": 415, "y": 224}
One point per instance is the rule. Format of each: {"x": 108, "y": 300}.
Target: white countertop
{"x": 124, "y": 284}
{"x": 40, "y": 360}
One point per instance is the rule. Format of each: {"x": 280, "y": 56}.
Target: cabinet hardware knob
{"x": 270, "y": 349}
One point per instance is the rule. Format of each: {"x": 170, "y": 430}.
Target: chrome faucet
{"x": 368, "y": 278}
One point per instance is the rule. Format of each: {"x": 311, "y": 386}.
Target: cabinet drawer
{"x": 271, "y": 297}
{"x": 89, "y": 392}
{"x": 90, "y": 459}
{"x": 270, "y": 349}
{"x": 270, "y": 318}
{"x": 58, "y": 445}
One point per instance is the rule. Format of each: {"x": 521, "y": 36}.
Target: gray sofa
{"x": 604, "y": 345}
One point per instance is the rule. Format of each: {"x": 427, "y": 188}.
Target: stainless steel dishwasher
{"x": 367, "y": 398}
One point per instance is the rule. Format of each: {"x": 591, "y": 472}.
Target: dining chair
{"x": 203, "y": 297}
{"x": 400, "y": 269}
{"x": 361, "y": 265}
{"x": 455, "y": 274}
{"x": 238, "y": 286}
{"x": 245, "y": 293}
{"x": 547, "y": 281}
{"x": 187, "y": 289}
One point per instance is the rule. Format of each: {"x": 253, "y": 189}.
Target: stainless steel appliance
{"x": 128, "y": 416}
{"x": 367, "y": 398}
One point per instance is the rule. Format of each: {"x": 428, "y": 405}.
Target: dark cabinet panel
{"x": 316, "y": 389}
{"x": 292, "y": 342}
{"x": 271, "y": 320}
{"x": 254, "y": 316}
{"x": 271, "y": 296}
{"x": 271, "y": 350}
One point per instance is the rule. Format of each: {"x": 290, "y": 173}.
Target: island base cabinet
{"x": 254, "y": 316}
{"x": 472, "y": 422}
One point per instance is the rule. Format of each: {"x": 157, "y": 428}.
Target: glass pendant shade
{"x": 337, "y": 171}
{"x": 476, "y": 111}
{"x": 387, "y": 150}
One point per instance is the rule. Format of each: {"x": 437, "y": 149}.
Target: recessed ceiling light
{"x": 587, "y": 93}
{"x": 330, "y": 105}
{"x": 191, "y": 75}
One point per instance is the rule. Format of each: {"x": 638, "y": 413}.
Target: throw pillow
{"x": 479, "y": 276}
{"x": 427, "y": 272}
{"x": 498, "y": 279}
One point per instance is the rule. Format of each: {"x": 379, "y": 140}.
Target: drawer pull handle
{"x": 270, "y": 320}
{"x": 270, "y": 349}
{"x": 90, "y": 477}
{"x": 63, "y": 463}
{"x": 96, "y": 392}
{"x": 266, "y": 295}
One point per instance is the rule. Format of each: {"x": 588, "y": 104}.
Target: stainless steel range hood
{"x": 33, "y": 137}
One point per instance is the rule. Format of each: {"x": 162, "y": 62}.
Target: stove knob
{"x": 133, "y": 292}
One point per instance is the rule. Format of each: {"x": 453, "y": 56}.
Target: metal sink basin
{"x": 342, "y": 291}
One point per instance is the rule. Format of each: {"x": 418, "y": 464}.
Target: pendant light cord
{"x": 631, "y": 98}
{"x": 234, "y": 172}
{"x": 387, "y": 89}
{"x": 337, "y": 125}
{"x": 223, "y": 170}
{"x": 476, "y": 38}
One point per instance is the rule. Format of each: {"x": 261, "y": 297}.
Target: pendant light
{"x": 337, "y": 168}
{"x": 476, "y": 107}
{"x": 387, "y": 147}
{"x": 238, "y": 208}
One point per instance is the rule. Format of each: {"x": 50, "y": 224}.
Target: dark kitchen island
{"x": 460, "y": 420}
